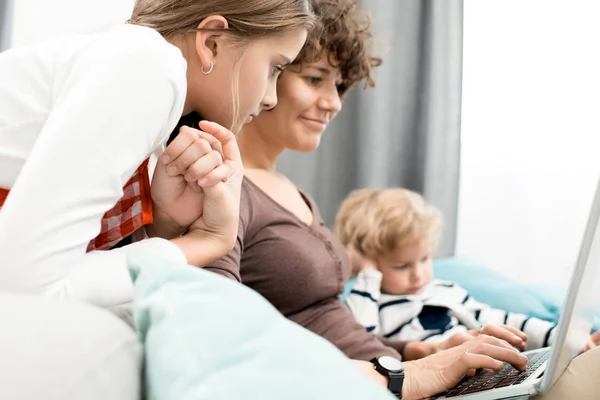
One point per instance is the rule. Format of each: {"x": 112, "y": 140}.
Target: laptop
{"x": 547, "y": 365}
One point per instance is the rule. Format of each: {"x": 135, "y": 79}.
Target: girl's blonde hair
{"x": 379, "y": 221}
{"x": 247, "y": 19}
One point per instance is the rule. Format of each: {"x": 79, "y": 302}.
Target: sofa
{"x": 198, "y": 336}
{"x": 205, "y": 337}
{"x": 53, "y": 349}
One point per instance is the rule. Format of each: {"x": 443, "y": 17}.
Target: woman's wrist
{"x": 409, "y": 391}
{"x": 380, "y": 378}
{"x": 369, "y": 369}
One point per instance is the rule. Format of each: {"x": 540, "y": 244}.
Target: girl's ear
{"x": 207, "y": 38}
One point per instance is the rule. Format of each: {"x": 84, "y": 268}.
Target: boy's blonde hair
{"x": 378, "y": 221}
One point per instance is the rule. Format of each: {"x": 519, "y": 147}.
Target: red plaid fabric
{"x": 131, "y": 212}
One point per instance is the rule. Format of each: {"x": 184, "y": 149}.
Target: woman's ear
{"x": 207, "y": 38}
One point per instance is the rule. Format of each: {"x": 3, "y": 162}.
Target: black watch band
{"x": 393, "y": 370}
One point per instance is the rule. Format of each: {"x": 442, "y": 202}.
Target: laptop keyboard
{"x": 485, "y": 380}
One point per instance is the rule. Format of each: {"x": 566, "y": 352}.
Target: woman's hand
{"x": 192, "y": 160}
{"x": 213, "y": 234}
{"x": 511, "y": 335}
{"x": 418, "y": 350}
{"x": 443, "y": 370}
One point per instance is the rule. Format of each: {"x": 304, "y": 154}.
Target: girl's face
{"x": 256, "y": 65}
{"x": 308, "y": 101}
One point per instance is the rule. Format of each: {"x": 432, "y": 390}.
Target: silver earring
{"x": 209, "y": 69}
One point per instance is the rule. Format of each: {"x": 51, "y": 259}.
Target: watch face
{"x": 390, "y": 363}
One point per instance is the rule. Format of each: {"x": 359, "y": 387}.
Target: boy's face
{"x": 407, "y": 269}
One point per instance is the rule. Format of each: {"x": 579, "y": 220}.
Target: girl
{"x": 80, "y": 116}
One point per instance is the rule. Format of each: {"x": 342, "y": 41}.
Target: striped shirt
{"x": 440, "y": 310}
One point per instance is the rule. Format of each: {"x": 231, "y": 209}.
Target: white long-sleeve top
{"x": 78, "y": 116}
{"x": 440, "y": 310}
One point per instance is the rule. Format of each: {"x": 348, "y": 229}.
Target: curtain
{"x": 5, "y": 23}
{"x": 406, "y": 131}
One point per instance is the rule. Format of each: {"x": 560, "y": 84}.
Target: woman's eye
{"x": 313, "y": 80}
{"x": 401, "y": 267}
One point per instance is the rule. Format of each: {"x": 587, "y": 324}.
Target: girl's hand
{"x": 213, "y": 234}
{"x": 192, "y": 160}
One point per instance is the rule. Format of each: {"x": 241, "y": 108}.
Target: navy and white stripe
{"x": 439, "y": 311}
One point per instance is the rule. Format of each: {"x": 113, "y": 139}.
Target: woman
{"x": 80, "y": 116}
{"x": 311, "y": 92}
{"x": 284, "y": 250}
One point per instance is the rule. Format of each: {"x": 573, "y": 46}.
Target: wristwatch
{"x": 393, "y": 370}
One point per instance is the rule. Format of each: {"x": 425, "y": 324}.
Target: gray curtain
{"x": 5, "y": 23}
{"x": 406, "y": 131}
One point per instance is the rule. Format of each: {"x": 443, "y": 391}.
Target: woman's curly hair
{"x": 343, "y": 32}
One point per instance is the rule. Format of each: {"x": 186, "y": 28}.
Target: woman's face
{"x": 262, "y": 61}
{"x": 308, "y": 101}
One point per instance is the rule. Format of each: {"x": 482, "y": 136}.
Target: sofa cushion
{"x": 207, "y": 337}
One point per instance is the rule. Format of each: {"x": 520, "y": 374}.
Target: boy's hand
{"x": 508, "y": 334}
{"x": 593, "y": 342}
{"x": 360, "y": 262}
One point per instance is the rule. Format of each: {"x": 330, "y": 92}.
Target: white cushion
{"x": 53, "y": 349}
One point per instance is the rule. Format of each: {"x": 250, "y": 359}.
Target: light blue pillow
{"x": 490, "y": 287}
{"x": 207, "y": 337}
{"x": 497, "y": 290}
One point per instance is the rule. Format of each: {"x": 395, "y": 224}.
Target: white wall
{"x": 530, "y": 134}
{"x": 35, "y": 20}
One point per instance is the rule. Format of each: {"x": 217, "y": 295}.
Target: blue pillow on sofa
{"x": 207, "y": 337}
{"x": 499, "y": 291}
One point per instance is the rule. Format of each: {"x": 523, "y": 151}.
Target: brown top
{"x": 300, "y": 269}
